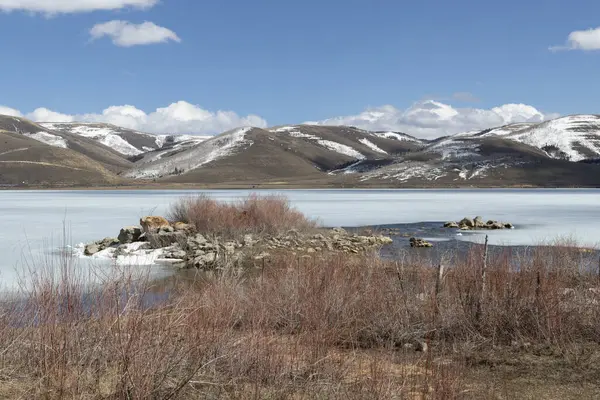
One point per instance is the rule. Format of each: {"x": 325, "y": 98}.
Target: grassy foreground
{"x": 323, "y": 326}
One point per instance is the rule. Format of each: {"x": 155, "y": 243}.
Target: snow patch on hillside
{"x": 341, "y": 148}
{"x": 205, "y": 152}
{"x": 107, "y": 137}
{"x": 328, "y": 144}
{"x": 396, "y": 136}
{"x": 578, "y": 136}
{"x": 406, "y": 171}
{"x": 372, "y": 146}
{"x": 48, "y": 138}
{"x": 453, "y": 149}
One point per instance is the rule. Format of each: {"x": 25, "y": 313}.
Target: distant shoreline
{"x": 263, "y": 186}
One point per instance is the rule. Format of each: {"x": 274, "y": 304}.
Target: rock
{"x": 107, "y": 242}
{"x": 165, "y": 239}
{"x": 129, "y": 234}
{"x": 495, "y": 226}
{"x": 182, "y": 226}
{"x": 167, "y": 229}
{"x": 339, "y": 231}
{"x": 478, "y": 222}
{"x": 100, "y": 245}
{"x": 509, "y": 226}
{"x": 468, "y": 222}
{"x": 248, "y": 240}
{"x": 153, "y": 223}
{"x": 385, "y": 240}
{"x": 177, "y": 255}
{"x": 205, "y": 261}
{"x": 453, "y": 225}
{"x": 419, "y": 243}
{"x": 91, "y": 249}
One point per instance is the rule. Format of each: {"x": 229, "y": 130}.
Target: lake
{"x": 34, "y": 222}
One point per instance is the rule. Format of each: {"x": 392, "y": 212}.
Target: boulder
{"x": 509, "y": 226}
{"x": 248, "y": 240}
{"x": 496, "y": 225}
{"x": 182, "y": 226}
{"x": 91, "y": 249}
{"x": 419, "y": 243}
{"x": 205, "y": 261}
{"x": 166, "y": 229}
{"x": 165, "y": 239}
{"x": 176, "y": 254}
{"x": 478, "y": 222}
{"x": 451, "y": 225}
{"x": 385, "y": 240}
{"x": 129, "y": 234}
{"x": 107, "y": 242}
{"x": 152, "y": 224}
{"x": 468, "y": 222}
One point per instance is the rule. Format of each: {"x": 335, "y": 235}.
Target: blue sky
{"x": 290, "y": 61}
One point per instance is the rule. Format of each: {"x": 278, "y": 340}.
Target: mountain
{"x": 27, "y": 161}
{"x": 127, "y": 142}
{"x": 575, "y": 137}
{"x": 287, "y": 152}
{"x": 564, "y": 152}
{"x": 101, "y": 153}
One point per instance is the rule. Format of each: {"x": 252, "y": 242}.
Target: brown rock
{"x": 153, "y": 223}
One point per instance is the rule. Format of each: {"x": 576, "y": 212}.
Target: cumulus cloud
{"x": 43, "y": 114}
{"x": 177, "y": 118}
{"x": 430, "y": 119}
{"x": 72, "y": 6}
{"x": 10, "y": 111}
{"x": 127, "y": 34}
{"x": 586, "y": 40}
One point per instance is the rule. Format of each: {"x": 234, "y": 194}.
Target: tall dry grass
{"x": 328, "y": 326}
{"x": 251, "y": 215}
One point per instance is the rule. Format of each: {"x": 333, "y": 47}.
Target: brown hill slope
{"x": 26, "y": 161}
{"x": 109, "y": 158}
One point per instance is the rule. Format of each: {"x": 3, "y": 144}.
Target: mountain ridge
{"x": 521, "y": 154}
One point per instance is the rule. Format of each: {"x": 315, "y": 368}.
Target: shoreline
{"x": 281, "y": 186}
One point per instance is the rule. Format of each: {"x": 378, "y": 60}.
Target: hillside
{"x": 283, "y": 152}
{"x": 101, "y": 153}
{"x": 575, "y": 137}
{"x": 26, "y": 161}
{"x": 558, "y": 153}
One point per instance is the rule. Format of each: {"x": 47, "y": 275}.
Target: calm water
{"x": 33, "y": 221}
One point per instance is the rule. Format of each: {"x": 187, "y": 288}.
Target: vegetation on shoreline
{"x": 322, "y": 326}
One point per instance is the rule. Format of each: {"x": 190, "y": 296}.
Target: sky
{"x": 198, "y": 66}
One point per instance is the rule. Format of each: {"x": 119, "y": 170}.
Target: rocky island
{"x": 183, "y": 245}
{"x": 469, "y": 224}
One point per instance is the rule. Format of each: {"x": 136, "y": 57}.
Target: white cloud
{"x": 72, "y": 6}
{"x": 127, "y": 34}
{"x": 431, "y": 119}
{"x": 180, "y": 117}
{"x": 43, "y": 114}
{"x": 10, "y": 111}
{"x": 581, "y": 40}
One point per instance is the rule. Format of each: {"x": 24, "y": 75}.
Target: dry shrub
{"x": 254, "y": 214}
{"x": 328, "y": 326}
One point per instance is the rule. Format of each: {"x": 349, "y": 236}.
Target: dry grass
{"x": 254, "y": 214}
{"x": 324, "y": 327}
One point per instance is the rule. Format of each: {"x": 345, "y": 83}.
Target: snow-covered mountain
{"x": 539, "y": 154}
{"x": 279, "y": 151}
{"x": 125, "y": 141}
{"x": 575, "y": 137}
